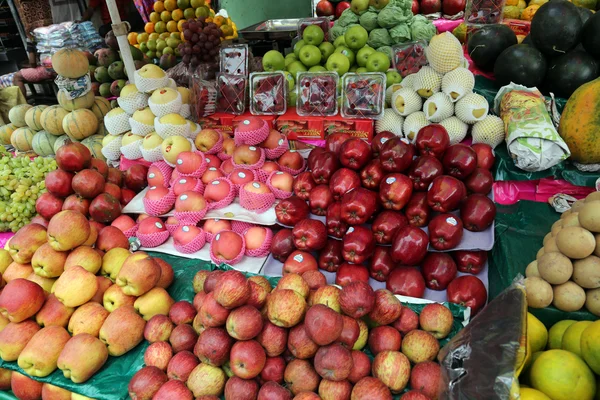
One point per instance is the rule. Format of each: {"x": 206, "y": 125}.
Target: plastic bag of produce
{"x": 484, "y": 360}
{"x": 369, "y": 21}
{"x": 531, "y": 139}
{"x": 422, "y": 28}
{"x": 379, "y": 37}
{"x": 400, "y": 33}
{"x": 347, "y": 18}
{"x": 396, "y": 12}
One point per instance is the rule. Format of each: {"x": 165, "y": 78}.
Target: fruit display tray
{"x": 247, "y": 264}
{"x": 234, "y": 211}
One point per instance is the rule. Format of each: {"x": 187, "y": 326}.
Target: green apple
{"x": 356, "y": 37}
{"x": 359, "y": 6}
{"x": 353, "y": 68}
{"x": 292, "y": 98}
{"x": 340, "y": 41}
{"x": 313, "y": 34}
{"x": 297, "y": 47}
{"x": 273, "y": 61}
{"x": 290, "y": 80}
{"x": 292, "y": 56}
{"x": 296, "y": 67}
{"x": 327, "y": 49}
{"x": 347, "y": 52}
{"x": 378, "y": 62}
{"x": 392, "y": 77}
{"x": 289, "y": 60}
{"x": 339, "y": 63}
{"x": 361, "y": 70}
{"x": 379, "y": 4}
{"x": 310, "y": 55}
{"x": 317, "y": 68}
{"x": 363, "y": 54}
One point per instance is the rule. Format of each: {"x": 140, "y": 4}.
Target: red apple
{"x": 406, "y": 281}
{"x": 300, "y": 376}
{"x": 312, "y": 156}
{"x": 273, "y": 140}
{"x": 215, "y": 226}
{"x": 357, "y": 299}
{"x": 414, "y": 395}
{"x": 190, "y": 202}
{"x": 396, "y": 155}
{"x": 314, "y": 279}
{"x": 156, "y": 177}
{"x": 409, "y": 246}
{"x": 270, "y": 166}
{"x": 247, "y": 359}
{"x": 111, "y": 237}
{"x": 115, "y": 176}
{"x": 158, "y": 328}
{"x": 432, "y": 140}
{"x": 459, "y": 161}
{"x": 467, "y": 291}
{"x": 212, "y": 314}
{"x": 431, "y": 6}
{"x": 334, "y": 141}
{"x": 184, "y": 234}
{"x": 408, "y": 321}
{"x": 58, "y": 183}
{"x": 334, "y": 390}
{"x": 387, "y": 308}
{"x": 255, "y": 237}
{"x": 342, "y": 181}
{"x": 273, "y": 339}
{"x": 300, "y": 344}
{"x": 299, "y": 262}
{"x": 330, "y": 257}
{"x": 333, "y": 362}
{"x": 340, "y": 8}
{"x": 323, "y": 325}
{"x": 372, "y": 175}
{"x": 282, "y": 244}
{"x": 242, "y": 389}
{"x": 319, "y": 199}
{"x": 158, "y": 354}
{"x": 424, "y": 170}
{"x": 358, "y": 206}
{"x": 348, "y": 273}
{"x": 126, "y": 196}
{"x": 48, "y": 205}
{"x": 358, "y": 244}
{"x": 213, "y": 346}
{"x": 395, "y": 191}
{"x": 273, "y": 370}
{"x": 241, "y": 176}
{"x": 381, "y": 264}
{"x": 227, "y": 245}
{"x": 369, "y": 388}
{"x": 477, "y": 212}
{"x": 183, "y": 338}
{"x": 446, "y": 194}
{"x": 40, "y": 221}
{"x": 384, "y": 338}
{"x": 232, "y": 289}
{"x": 182, "y": 312}
{"x": 181, "y": 365}
{"x": 436, "y": 319}
{"x": 73, "y": 157}
{"x": 246, "y": 155}
{"x": 361, "y": 366}
{"x": 309, "y": 235}
{"x": 146, "y": 382}
{"x": 211, "y": 280}
{"x": 135, "y": 177}
{"x": 325, "y": 9}
{"x": 211, "y": 174}
{"x": 350, "y": 332}
{"x": 355, "y": 153}
{"x": 439, "y": 269}
{"x": 445, "y": 231}
{"x": 189, "y": 162}
{"x": 324, "y": 164}
{"x": 415, "y": 7}
{"x": 379, "y": 141}
{"x": 173, "y": 390}
{"x": 304, "y": 184}
{"x": 426, "y": 377}
{"x": 386, "y": 224}
{"x": 123, "y": 223}
{"x": 485, "y": 154}
{"x": 291, "y": 159}
{"x": 226, "y": 166}
{"x": 470, "y": 262}
{"x": 217, "y": 190}
{"x": 333, "y": 220}
{"x": 291, "y": 211}
{"x": 244, "y": 323}
{"x": 212, "y": 161}
{"x": 273, "y": 391}
{"x": 480, "y": 181}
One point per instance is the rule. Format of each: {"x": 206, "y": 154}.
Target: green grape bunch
{"x": 21, "y": 183}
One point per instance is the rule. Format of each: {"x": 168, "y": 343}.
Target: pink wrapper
{"x": 217, "y": 147}
{"x": 256, "y": 202}
{"x": 279, "y": 194}
{"x": 240, "y": 226}
{"x": 227, "y": 200}
{"x": 262, "y": 175}
{"x": 166, "y": 171}
{"x": 294, "y": 171}
{"x": 209, "y": 236}
{"x": 274, "y": 154}
{"x": 257, "y": 165}
{"x": 131, "y": 232}
{"x": 223, "y": 156}
{"x": 190, "y": 217}
{"x": 153, "y": 239}
{"x": 251, "y": 137}
{"x": 254, "y": 177}
{"x": 200, "y": 171}
{"x": 237, "y": 259}
{"x": 199, "y": 188}
{"x": 193, "y": 246}
{"x": 263, "y": 250}
{"x": 171, "y": 228}
{"x": 155, "y": 208}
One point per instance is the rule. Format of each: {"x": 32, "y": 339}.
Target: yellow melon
{"x": 79, "y": 124}
{"x": 5, "y": 133}
{"x": 85, "y": 101}
{"x": 52, "y": 119}
{"x": 70, "y": 63}
{"x": 33, "y": 117}
{"x": 94, "y": 144}
{"x": 16, "y": 115}
{"x": 100, "y": 108}
{"x": 22, "y": 138}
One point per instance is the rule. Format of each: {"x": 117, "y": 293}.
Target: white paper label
{"x": 179, "y": 161}
{"x": 218, "y": 236}
{"x": 279, "y": 173}
{"x": 252, "y": 148}
{"x": 215, "y": 182}
{"x": 383, "y": 140}
{"x": 183, "y": 197}
{"x": 246, "y": 122}
{"x": 298, "y": 258}
{"x": 430, "y": 185}
{"x": 241, "y": 175}
{"x": 350, "y": 230}
{"x": 256, "y": 185}
{"x": 208, "y": 160}
{"x": 153, "y": 188}
{"x": 390, "y": 180}
{"x": 183, "y": 181}
{"x": 151, "y": 175}
{"x": 185, "y": 228}
{"x": 280, "y": 142}
{"x": 451, "y": 221}
{"x": 212, "y": 169}
{"x": 158, "y": 225}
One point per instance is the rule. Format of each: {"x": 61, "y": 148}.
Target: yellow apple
{"x": 115, "y": 298}
{"x": 144, "y": 116}
{"x": 173, "y": 119}
{"x": 164, "y": 95}
{"x": 14, "y": 337}
{"x": 82, "y": 356}
{"x": 152, "y": 141}
{"x": 185, "y": 94}
{"x": 45, "y": 283}
{"x": 40, "y": 355}
{"x": 113, "y": 261}
{"x": 86, "y": 257}
{"x": 88, "y": 319}
{"x": 115, "y": 112}
{"x": 172, "y": 146}
{"x": 53, "y": 312}
{"x": 76, "y": 286}
{"x": 122, "y": 330}
{"x": 156, "y": 301}
{"x": 128, "y": 90}
{"x": 139, "y": 274}
{"x": 129, "y": 138}
{"x": 107, "y": 139}
{"x": 151, "y": 71}
{"x": 5, "y": 260}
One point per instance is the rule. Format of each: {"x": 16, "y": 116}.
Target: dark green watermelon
{"x": 522, "y": 64}
{"x": 590, "y": 36}
{"x": 527, "y": 40}
{"x": 486, "y": 44}
{"x": 584, "y": 14}
{"x": 556, "y": 28}
{"x": 569, "y": 71}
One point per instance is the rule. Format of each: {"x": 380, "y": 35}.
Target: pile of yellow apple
{"x": 72, "y": 296}
{"x": 148, "y": 114}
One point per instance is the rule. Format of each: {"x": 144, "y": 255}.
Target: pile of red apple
{"x": 302, "y": 339}
{"x": 85, "y": 184}
{"x": 377, "y": 199}
{"x": 72, "y": 296}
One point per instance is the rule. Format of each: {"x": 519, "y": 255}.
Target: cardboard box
{"x": 219, "y": 121}
{"x": 298, "y": 128}
{"x": 360, "y": 128}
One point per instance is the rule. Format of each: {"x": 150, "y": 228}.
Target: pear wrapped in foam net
{"x": 457, "y": 130}
{"x": 458, "y": 83}
{"x": 413, "y": 124}
{"x": 427, "y": 82}
{"x": 438, "y": 107}
{"x": 444, "y": 53}
{"x": 472, "y": 108}
{"x": 391, "y": 122}
{"x": 406, "y": 101}
{"x": 490, "y": 131}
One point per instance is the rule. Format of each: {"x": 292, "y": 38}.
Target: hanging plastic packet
{"x": 231, "y": 93}
{"x": 234, "y": 60}
{"x": 363, "y": 95}
{"x": 203, "y": 98}
{"x": 74, "y": 88}
{"x": 317, "y": 94}
{"x": 268, "y": 93}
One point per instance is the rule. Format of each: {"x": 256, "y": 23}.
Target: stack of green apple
{"x": 167, "y": 44}
{"x": 348, "y": 53}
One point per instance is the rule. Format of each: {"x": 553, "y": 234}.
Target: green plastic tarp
{"x": 519, "y": 231}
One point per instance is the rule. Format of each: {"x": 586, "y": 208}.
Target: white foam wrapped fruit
{"x": 457, "y": 130}
{"x": 142, "y": 122}
{"x": 389, "y": 92}
{"x": 444, "y": 53}
{"x": 438, "y": 107}
{"x": 150, "y": 77}
{"x": 165, "y": 101}
{"x": 427, "y": 82}
{"x": 490, "y": 131}
{"x": 111, "y": 147}
{"x": 390, "y": 122}
{"x": 458, "y": 83}
{"x": 406, "y": 101}
{"x": 413, "y": 124}
{"x": 130, "y": 146}
{"x": 472, "y": 108}
{"x": 131, "y": 99}
{"x": 116, "y": 121}
{"x": 408, "y": 81}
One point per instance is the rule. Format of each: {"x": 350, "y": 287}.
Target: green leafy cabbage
{"x": 395, "y": 13}
{"x": 379, "y": 37}
{"x": 400, "y": 33}
{"x": 369, "y": 21}
{"x": 387, "y": 50}
{"x": 422, "y": 28}
{"x": 347, "y": 18}
{"x": 335, "y": 32}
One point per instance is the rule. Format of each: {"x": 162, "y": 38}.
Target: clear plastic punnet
{"x": 481, "y": 12}
{"x": 203, "y": 98}
{"x": 234, "y": 59}
{"x": 268, "y": 93}
{"x": 231, "y": 93}
{"x": 363, "y": 95}
{"x": 317, "y": 94}
{"x": 409, "y": 57}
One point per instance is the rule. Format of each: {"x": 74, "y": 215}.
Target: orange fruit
{"x": 132, "y": 38}
{"x": 172, "y": 26}
{"x": 149, "y": 27}
{"x": 177, "y": 15}
{"x": 227, "y": 30}
{"x": 170, "y": 5}
{"x": 219, "y": 20}
{"x": 154, "y": 17}
{"x": 160, "y": 27}
{"x": 165, "y": 16}
{"x": 180, "y": 25}
{"x": 159, "y": 6}
{"x": 189, "y": 13}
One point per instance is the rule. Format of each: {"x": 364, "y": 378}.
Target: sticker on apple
{"x": 182, "y": 181}
{"x": 298, "y": 258}
{"x": 383, "y": 140}
{"x": 451, "y": 221}
{"x": 183, "y": 197}
{"x": 158, "y": 225}
{"x": 218, "y": 236}
{"x": 185, "y": 228}
{"x": 241, "y": 175}
{"x": 252, "y": 148}
{"x": 151, "y": 175}
{"x": 280, "y": 142}
{"x": 215, "y": 182}
{"x": 256, "y": 185}
{"x": 350, "y": 230}
{"x": 179, "y": 161}
{"x": 390, "y": 180}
